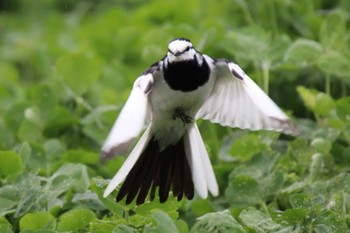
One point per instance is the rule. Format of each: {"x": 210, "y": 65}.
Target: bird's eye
{"x": 188, "y": 48}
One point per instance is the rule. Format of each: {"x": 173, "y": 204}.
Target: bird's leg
{"x": 179, "y": 113}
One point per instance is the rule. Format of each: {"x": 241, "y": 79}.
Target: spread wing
{"x": 236, "y": 101}
{"x": 132, "y": 119}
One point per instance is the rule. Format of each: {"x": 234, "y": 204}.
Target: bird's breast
{"x": 174, "y": 110}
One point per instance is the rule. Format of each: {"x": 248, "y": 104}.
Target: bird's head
{"x": 181, "y": 49}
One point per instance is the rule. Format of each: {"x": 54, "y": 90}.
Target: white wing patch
{"x": 236, "y": 101}
{"x": 132, "y": 118}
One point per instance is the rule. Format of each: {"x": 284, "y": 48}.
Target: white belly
{"x": 166, "y": 127}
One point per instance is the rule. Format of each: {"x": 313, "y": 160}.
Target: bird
{"x": 165, "y": 102}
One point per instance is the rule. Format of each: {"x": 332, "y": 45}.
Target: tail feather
{"x": 203, "y": 174}
{"x": 180, "y": 168}
{"x": 149, "y": 177}
{"x": 140, "y": 177}
{"x": 167, "y": 169}
{"x": 129, "y": 162}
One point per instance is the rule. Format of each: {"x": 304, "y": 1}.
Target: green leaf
{"x": 335, "y": 63}
{"x": 38, "y": 161}
{"x": 181, "y": 226}
{"x": 39, "y": 220}
{"x": 29, "y": 193}
{"x": 6, "y": 205}
{"x": 321, "y": 228}
{"x": 318, "y": 102}
{"x": 31, "y": 127}
{"x": 98, "y": 186}
{"x": 81, "y": 156}
{"x": 343, "y": 109}
{"x": 60, "y": 122}
{"x": 242, "y": 191}
{"x": 14, "y": 116}
{"x": 333, "y": 31}
{"x": 102, "y": 226}
{"x": 300, "y": 200}
{"x": 73, "y": 176}
{"x": 90, "y": 199}
{"x": 338, "y": 202}
{"x": 10, "y": 163}
{"x": 303, "y": 52}
{"x": 258, "y": 221}
{"x": 302, "y": 152}
{"x": 330, "y": 221}
{"x": 79, "y": 71}
{"x": 201, "y": 206}
{"x": 164, "y": 223}
{"x": 170, "y": 207}
{"x": 278, "y": 48}
{"x": 25, "y": 151}
{"x": 38, "y": 231}
{"x": 291, "y": 216}
{"x": 249, "y": 43}
{"x": 324, "y": 104}
{"x": 340, "y": 182}
{"x": 217, "y": 222}
{"x": 272, "y": 183}
{"x": 43, "y": 96}
{"x": 308, "y": 96}
{"x": 54, "y": 149}
{"x": 5, "y": 226}
{"x": 121, "y": 228}
{"x": 75, "y": 220}
{"x": 247, "y": 146}
{"x": 322, "y": 145}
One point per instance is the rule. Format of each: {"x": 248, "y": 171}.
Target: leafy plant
{"x": 67, "y": 68}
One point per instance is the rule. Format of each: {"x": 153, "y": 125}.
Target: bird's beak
{"x": 175, "y": 53}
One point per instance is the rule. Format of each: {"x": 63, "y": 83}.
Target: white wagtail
{"x": 166, "y": 100}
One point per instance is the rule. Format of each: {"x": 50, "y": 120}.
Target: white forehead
{"x": 179, "y": 45}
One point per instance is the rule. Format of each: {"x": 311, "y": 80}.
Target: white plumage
{"x": 132, "y": 119}
{"x": 171, "y": 148}
{"x": 236, "y": 101}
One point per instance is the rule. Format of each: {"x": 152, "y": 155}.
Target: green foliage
{"x": 217, "y": 222}
{"x": 10, "y": 163}
{"x": 67, "y": 67}
{"x": 78, "y": 71}
{"x": 36, "y": 221}
{"x": 5, "y": 226}
{"x": 75, "y": 220}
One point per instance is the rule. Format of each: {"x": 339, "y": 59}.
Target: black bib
{"x": 186, "y": 75}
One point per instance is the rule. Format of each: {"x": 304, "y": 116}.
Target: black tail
{"x": 167, "y": 169}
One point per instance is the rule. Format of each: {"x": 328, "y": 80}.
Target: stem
{"x": 85, "y": 104}
{"x": 79, "y": 100}
{"x": 328, "y": 85}
{"x": 263, "y": 205}
{"x": 343, "y": 89}
{"x": 310, "y": 6}
{"x": 126, "y": 215}
{"x": 266, "y": 76}
{"x": 248, "y": 17}
{"x": 273, "y": 17}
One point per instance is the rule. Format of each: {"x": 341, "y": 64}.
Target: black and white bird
{"x": 166, "y": 100}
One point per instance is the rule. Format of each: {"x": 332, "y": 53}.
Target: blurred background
{"x": 67, "y": 58}
{"x": 67, "y": 67}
